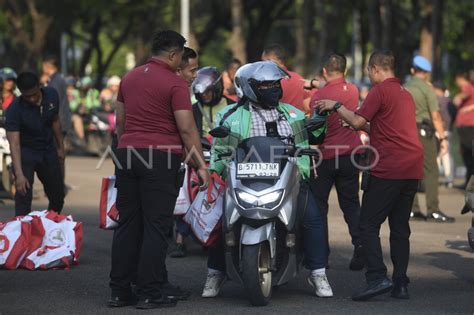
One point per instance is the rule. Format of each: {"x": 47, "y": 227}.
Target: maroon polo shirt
{"x": 151, "y": 94}
{"x": 466, "y": 118}
{"x": 393, "y": 133}
{"x": 339, "y": 140}
{"x": 293, "y": 90}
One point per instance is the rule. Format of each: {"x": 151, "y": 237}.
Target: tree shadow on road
{"x": 460, "y": 266}
{"x": 459, "y": 245}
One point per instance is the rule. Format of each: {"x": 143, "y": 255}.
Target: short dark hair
{"x": 167, "y": 41}
{"x": 463, "y": 74}
{"x": 383, "y": 59}
{"x": 52, "y": 59}
{"x": 27, "y": 81}
{"x": 277, "y": 50}
{"x": 233, "y": 61}
{"x": 335, "y": 62}
{"x": 189, "y": 53}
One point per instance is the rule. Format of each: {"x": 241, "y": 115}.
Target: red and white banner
{"x": 109, "y": 214}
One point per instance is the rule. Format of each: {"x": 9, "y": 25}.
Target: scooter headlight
{"x": 269, "y": 201}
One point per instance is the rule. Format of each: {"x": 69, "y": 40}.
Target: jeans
{"x": 146, "y": 197}
{"x": 393, "y": 199}
{"x": 313, "y": 232}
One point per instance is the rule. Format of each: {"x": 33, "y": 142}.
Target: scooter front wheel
{"x": 256, "y": 273}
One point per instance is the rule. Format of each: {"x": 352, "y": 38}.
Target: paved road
{"x": 441, "y": 269}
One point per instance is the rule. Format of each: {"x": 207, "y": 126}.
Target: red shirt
{"x": 151, "y": 94}
{"x": 293, "y": 90}
{"x": 393, "y": 133}
{"x": 466, "y": 118}
{"x": 344, "y": 138}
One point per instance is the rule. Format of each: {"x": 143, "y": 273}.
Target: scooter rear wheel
{"x": 256, "y": 273}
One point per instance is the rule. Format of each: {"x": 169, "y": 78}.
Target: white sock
{"x": 318, "y": 272}
{"x": 211, "y": 271}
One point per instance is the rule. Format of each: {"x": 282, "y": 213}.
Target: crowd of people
{"x": 410, "y": 128}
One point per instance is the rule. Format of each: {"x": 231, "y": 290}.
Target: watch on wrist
{"x": 337, "y": 106}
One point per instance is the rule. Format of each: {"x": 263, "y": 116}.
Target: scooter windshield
{"x": 260, "y": 158}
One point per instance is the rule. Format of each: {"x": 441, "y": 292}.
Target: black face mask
{"x": 269, "y": 98}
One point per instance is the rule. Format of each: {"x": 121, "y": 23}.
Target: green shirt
{"x": 425, "y": 98}
{"x": 240, "y": 124}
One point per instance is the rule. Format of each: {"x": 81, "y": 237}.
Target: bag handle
{"x": 214, "y": 178}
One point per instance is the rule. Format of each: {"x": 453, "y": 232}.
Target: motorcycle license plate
{"x": 258, "y": 170}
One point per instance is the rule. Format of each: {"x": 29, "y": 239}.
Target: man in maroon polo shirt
{"x": 337, "y": 166}
{"x": 293, "y": 88}
{"x": 397, "y": 168}
{"x": 154, "y": 120}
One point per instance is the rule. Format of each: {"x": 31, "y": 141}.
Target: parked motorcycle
{"x": 263, "y": 212}
{"x": 99, "y": 132}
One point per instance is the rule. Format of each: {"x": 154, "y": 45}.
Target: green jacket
{"x": 240, "y": 123}
{"x": 425, "y": 98}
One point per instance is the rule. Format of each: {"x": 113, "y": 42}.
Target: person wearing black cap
{"x": 429, "y": 122}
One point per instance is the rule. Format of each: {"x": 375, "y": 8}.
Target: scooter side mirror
{"x": 220, "y": 132}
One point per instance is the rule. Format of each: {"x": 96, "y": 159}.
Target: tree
{"x": 237, "y": 40}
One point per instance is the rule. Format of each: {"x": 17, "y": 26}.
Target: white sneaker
{"x": 321, "y": 285}
{"x": 214, "y": 282}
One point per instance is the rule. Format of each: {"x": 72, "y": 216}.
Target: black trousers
{"x": 392, "y": 199}
{"x": 147, "y": 188}
{"x": 466, "y": 139}
{"x": 47, "y": 167}
{"x": 345, "y": 176}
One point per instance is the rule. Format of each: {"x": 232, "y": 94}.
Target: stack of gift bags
{"x": 40, "y": 240}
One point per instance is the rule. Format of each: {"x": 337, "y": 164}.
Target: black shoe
{"x": 418, "y": 216}
{"x": 372, "y": 290}
{"x": 400, "y": 291}
{"x": 439, "y": 216}
{"x": 148, "y": 304}
{"x": 116, "y": 301}
{"x": 179, "y": 251}
{"x": 175, "y": 292}
{"x": 358, "y": 259}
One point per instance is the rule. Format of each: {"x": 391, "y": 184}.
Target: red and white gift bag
{"x": 40, "y": 240}
{"x": 14, "y": 238}
{"x": 204, "y": 215}
{"x": 109, "y": 214}
{"x": 61, "y": 241}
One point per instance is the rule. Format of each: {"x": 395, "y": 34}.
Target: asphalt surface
{"x": 441, "y": 267}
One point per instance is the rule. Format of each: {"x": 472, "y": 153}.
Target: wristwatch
{"x": 337, "y": 106}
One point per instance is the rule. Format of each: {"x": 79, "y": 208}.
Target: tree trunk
{"x": 237, "y": 42}
{"x": 357, "y": 43}
{"x": 386, "y": 21}
{"x": 436, "y": 27}
{"x": 321, "y": 15}
{"x": 426, "y": 35}
{"x": 301, "y": 38}
{"x": 375, "y": 24}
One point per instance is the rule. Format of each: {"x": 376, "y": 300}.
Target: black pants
{"x": 466, "y": 138}
{"x": 393, "y": 199}
{"x": 146, "y": 195}
{"x": 48, "y": 169}
{"x": 345, "y": 176}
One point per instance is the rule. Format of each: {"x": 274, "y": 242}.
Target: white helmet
{"x": 250, "y": 76}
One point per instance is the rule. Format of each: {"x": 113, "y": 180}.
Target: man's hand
{"x": 61, "y": 155}
{"x": 325, "y": 105}
{"x": 457, "y": 100}
{"x": 204, "y": 176}
{"x": 22, "y": 184}
{"x": 443, "y": 147}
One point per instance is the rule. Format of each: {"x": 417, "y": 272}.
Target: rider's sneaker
{"x": 321, "y": 285}
{"x": 213, "y": 284}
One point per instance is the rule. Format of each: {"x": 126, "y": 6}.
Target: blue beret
{"x": 422, "y": 63}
